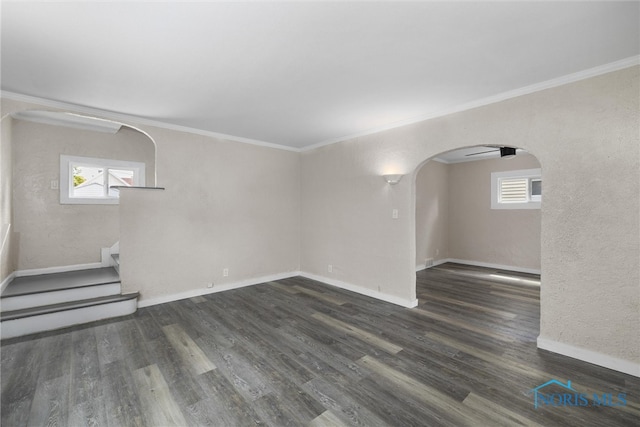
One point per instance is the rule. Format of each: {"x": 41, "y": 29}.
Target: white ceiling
{"x": 306, "y": 73}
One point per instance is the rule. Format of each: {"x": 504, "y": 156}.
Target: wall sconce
{"x": 392, "y": 179}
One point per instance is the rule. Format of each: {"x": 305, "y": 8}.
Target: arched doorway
{"x": 478, "y": 215}
{"x": 456, "y": 217}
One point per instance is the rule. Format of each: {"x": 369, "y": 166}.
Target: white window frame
{"x": 533, "y": 202}
{"x": 66, "y": 178}
{"x": 534, "y": 198}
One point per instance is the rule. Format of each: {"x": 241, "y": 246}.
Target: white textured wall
{"x": 584, "y": 134}
{"x": 509, "y": 237}
{"x": 347, "y": 217}
{"x": 51, "y": 234}
{"x": 8, "y": 250}
{"x": 432, "y": 212}
{"x": 5, "y": 171}
{"x": 226, "y": 205}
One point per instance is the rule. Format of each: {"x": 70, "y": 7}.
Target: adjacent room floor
{"x": 296, "y": 352}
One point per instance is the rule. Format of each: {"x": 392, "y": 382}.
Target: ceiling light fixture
{"x": 507, "y": 152}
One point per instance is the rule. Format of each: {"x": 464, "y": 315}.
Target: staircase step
{"x": 55, "y": 316}
{"x": 56, "y": 281}
{"x": 52, "y": 308}
{"x": 47, "y": 289}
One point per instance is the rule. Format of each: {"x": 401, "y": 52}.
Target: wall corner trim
{"x": 407, "y": 303}
{"x": 217, "y": 288}
{"x": 6, "y": 281}
{"x": 604, "y": 360}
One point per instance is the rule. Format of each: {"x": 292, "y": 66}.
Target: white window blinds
{"x": 514, "y": 190}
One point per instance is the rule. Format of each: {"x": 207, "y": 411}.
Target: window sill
{"x": 119, "y": 187}
{"x": 529, "y": 205}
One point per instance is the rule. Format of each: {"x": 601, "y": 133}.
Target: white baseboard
{"x": 408, "y": 303}
{"x": 6, "y": 281}
{"x": 142, "y": 302}
{"x": 590, "y": 356}
{"x": 421, "y": 267}
{"x": 61, "y": 269}
{"x": 490, "y": 265}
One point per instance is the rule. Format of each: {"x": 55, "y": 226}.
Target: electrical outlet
{"x": 209, "y": 285}
{"x": 54, "y": 184}
{"x": 330, "y": 268}
{"x": 225, "y": 272}
{"x": 394, "y": 214}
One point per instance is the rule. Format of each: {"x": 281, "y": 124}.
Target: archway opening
{"x": 477, "y": 231}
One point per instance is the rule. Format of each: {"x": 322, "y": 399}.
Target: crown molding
{"x": 537, "y": 87}
{"x": 569, "y": 78}
{"x": 127, "y": 119}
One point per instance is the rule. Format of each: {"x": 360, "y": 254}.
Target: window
{"x": 536, "y": 189}
{"x": 85, "y": 180}
{"x": 520, "y": 189}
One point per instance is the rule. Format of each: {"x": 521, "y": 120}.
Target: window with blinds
{"x": 514, "y": 190}
{"x": 519, "y": 189}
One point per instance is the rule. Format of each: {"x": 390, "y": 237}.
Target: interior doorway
{"x": 480, "y": 209}
{"x": 478, "y": 217}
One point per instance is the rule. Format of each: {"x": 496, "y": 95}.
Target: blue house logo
{"x": 570, "y": 396}
{"x": 545, "y": 398}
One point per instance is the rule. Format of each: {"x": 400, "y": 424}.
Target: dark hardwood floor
{"x": 296, "y": 352}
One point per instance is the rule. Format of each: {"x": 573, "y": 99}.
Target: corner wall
{"x": 226, "y": 206}
{"x": 507, "y": 237}
{"x": 433, "y": 197}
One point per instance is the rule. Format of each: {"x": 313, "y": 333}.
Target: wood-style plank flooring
{"x": 299, "y": 353}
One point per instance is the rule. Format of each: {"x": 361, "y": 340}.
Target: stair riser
{"x": 20, "y": 302}
{"x": 63, "y": 319}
